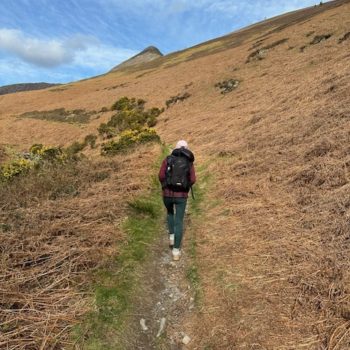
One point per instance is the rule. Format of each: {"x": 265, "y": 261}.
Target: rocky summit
{"x": 148, "y": 54}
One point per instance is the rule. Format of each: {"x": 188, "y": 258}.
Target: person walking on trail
{"x": 177, "y": 175}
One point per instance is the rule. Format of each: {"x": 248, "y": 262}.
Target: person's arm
{"x": 162, "y": 170}
{"x": 192, "y": 175}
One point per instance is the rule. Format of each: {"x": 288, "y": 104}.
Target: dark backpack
{"x": 177, "y": 173}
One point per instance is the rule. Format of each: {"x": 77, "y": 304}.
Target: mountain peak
{"x": 150, "y": 53}
{"x": 151, "y": 49}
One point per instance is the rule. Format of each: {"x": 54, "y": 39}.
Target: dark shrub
{"x": 106, "y": 131}
{"x": 90, "y": 140}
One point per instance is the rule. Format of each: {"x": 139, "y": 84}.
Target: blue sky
{"x": 68, "y": 40}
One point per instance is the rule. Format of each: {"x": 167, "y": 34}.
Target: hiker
{"x": 177, "y": 175}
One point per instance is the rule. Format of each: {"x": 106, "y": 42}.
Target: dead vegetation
{"x": 274, "y": 244}
{"x": 346, "y": 36}
{"x": 178, "y": 98}
{"x": 45, "y": 255}
{"x": 257, "y": 44}
{"x": 319, "y": 38}
{"x": 283, "y": 259}
{"x": 58, "y": 225}
{"x": 287, "y": 263}
{"x": 61, "y": 115}
{"x": 3, "y": 154}
{"x": 316, "y": 40}
{"x": 59, "y": 89}
{"x": 116, "y": 86}
{"x": 261, "y": 53}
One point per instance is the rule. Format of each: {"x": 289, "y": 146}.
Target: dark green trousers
{"x": 175, "y": 217}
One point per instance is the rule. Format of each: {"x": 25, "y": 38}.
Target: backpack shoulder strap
{"x": 169, "y": 160}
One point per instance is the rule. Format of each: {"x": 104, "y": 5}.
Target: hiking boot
{"x": 176, "y": 254}
{"x": 171, "y": 240}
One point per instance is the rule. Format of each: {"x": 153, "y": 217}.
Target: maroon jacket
{"x": 162, "y": 177}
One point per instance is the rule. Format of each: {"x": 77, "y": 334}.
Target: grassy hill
{"x": 10, "y": 89}
{"x": 266, "y": 111}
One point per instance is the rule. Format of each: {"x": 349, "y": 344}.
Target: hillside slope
{"x": 266, "y": 111}
{"x": 10, "y": 89}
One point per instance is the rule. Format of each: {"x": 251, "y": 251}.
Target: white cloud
{"x": 43, "y": 53}
{"x": 102, "y": 56}
{"x": 30, "y": 59}
{"x": 80, "y": 50}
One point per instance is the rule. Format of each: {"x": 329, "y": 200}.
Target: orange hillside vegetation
{"x": 273, "y": 247}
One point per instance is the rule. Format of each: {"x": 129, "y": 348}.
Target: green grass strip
{"x": 116, "y": 285}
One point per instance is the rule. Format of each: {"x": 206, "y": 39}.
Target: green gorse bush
{"x": 132, "y": 124}
{"x": 131, "y": 115}
{"x": 128, "y": 139}
{"x": 38, "y": 154}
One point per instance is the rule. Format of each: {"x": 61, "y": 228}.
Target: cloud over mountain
{"x": 52, "y": 52}
{"x": 43, "y": 53}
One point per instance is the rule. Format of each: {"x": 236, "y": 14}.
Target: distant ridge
{"x": 10, "y": 89}
{"x": 148, "y": 54}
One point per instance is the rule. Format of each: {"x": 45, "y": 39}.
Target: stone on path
{"x": 161, "y": 327}
{"x": 143, "y": 325}
{"x": 186, "y": 339}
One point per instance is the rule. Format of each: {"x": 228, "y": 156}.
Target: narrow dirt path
{"x": 164, "y": 300}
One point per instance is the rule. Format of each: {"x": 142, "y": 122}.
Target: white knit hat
{"x": 182, "y": 143}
